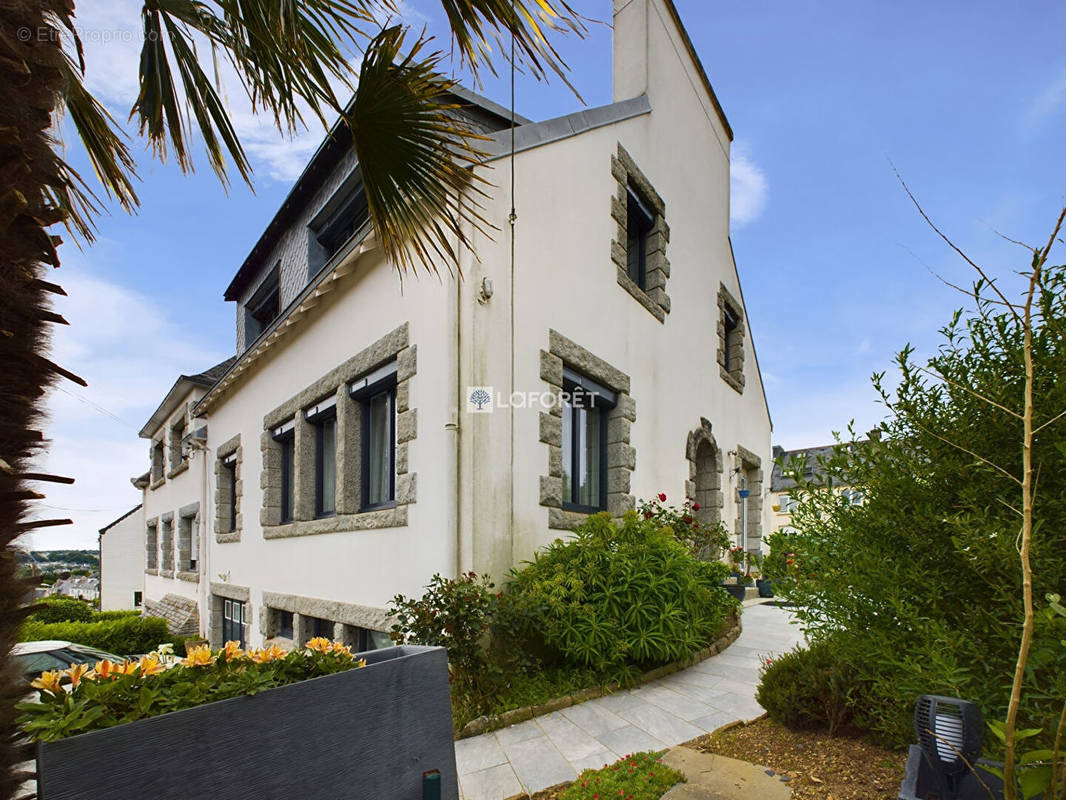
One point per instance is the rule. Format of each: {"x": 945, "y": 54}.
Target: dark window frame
{"x": 319, "y": 421}
{"x": 286, "y": 625}
{"x": 365, "y": 392}
{"x": 350, "y": 215}
{"x": 229, "y": 464}
{"x": 286, "y": 440}
{"x": 639, "y": 215}
{"x": 603, "y": 400}
{"x": 265, "y": 305}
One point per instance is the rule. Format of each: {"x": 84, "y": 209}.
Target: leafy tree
{"x": 293, "y": 59}
{"x": 940, "y": 582}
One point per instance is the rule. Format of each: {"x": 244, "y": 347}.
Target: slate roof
{"x": 779, "y": 482}
{"x": 111, "y": 525}
{"x": 209, "y": 376}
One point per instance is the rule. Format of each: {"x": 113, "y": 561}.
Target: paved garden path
{"x": 544, "y": 751}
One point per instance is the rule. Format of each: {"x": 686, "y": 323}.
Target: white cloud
{"x": 748, "y": 187}
{"x": 1046, "y": 104}
{"x": 130, "y": 350}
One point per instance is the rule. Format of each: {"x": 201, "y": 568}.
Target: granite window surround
{"x": 730, "y": 342}
{"x": 157, "y": 454}
{"x": 151, "y": 546}
{"x": 748, "y": 464}
{"x": 347, "y": 618}
{"x": 652, "y": 295}
{"x": 229, "y": 486}
{"x": 621, "y": 455}
{"x": 188, "y": 529}
{"x": 178, "y": 461}
{"x": 704, "y": 484}
{"x": 349, "y": 516}
{"x": 220, "y": 592}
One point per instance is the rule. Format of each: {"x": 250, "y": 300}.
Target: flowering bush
{"x": 641, "y": 776}
{"x": 705, "y": 542}
{"x": 84, "y": 698}
{"x": 736, "y": 557}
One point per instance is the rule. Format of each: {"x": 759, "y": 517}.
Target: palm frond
{"x": 479, "y": 24}
{"x": 412, "y": 148}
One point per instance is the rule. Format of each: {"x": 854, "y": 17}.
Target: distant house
{"x": 122, "y": 561}
{"x": 783, "y": 490}
{"x": 80, "y": 587}
{"x": 370, "y": 433}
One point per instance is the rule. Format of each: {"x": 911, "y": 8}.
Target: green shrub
{"x": 453, "y": 613}
{"x": 641, "y": 776}
{"x": 808, "y": 688}
{"x": 62, "y": 609}
{"x": 123, "y": 636}
{"x": 620, "y": 596}
{"x": 122, "y": 614}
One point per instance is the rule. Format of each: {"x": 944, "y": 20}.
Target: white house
{"x": 370, "y": 433}
{"x": 122, "y": 561}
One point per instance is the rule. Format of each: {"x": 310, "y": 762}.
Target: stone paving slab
{"x": 544, "y": 751}
{"x": 714, "y": 777}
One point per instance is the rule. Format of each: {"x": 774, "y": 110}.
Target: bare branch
{"x": 1008, "y": 505}
{"x": 1058, "y": 416}
{"x": 1028, "y": 247}
{"x": 956, "y": 248}
{"x": 968, "y": 292}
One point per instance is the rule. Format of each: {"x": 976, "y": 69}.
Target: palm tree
{"x": 294, "y": 58}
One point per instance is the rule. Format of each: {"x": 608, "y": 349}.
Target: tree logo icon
{"x": 479, "y": 399}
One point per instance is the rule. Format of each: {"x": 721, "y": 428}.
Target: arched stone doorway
{"x": 705, "y": 473}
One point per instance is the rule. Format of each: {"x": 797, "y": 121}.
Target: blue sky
{"x": 967, "y": 100}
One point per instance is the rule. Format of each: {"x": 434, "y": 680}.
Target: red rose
{"x": 662, "y": 497}
{"x": 695, "y": 506}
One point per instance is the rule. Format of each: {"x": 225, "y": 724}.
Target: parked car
{"x": 34, "y": 658}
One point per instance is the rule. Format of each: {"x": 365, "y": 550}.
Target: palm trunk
{"x": 29, "y": 82}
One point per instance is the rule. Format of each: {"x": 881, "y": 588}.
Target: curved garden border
{"x": 484, "y": 724}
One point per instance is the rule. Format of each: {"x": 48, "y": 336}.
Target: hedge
{"x": 128, "y": 635}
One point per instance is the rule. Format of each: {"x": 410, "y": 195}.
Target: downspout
{"x": 453, "y": 521}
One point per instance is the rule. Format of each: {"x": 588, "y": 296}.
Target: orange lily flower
{"x": 267, "y": 654}
{"x": 108, "y": 670}
{"x": 149, "y": 665}
{"x": 342, "y": 650}
{"x": 49, "y": 681}
{"x": 320, "y": 643}
{"x": 128, "y": 668}
{"x": 233, "y": 651}
{"x": 77, "y": 672}
{"x": 199, "y": 657}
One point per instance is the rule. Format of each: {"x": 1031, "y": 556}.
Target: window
{"x": 730, "y": 339}
{"x": 639, "y": 223}
{"x": 341, "y": 224}
{"x": 362, "y": 640}
{"x": 229, "y": 488}
{"x": 285, "y": 623}
{"x": 158, "y": 459}
{"x": 852, "y": 496}
{"x": 234, "y": 616}
{"x": 585, "y": 408}
{"x": 168, "y": 543}
{"x": 188, "y": 544}
{"x": 285, "y": 436}
{"x": 177, "y": 448}
{"x": 376, "y": 394}
{"x": 323, "y": 417}
{"x": 137, "y": 599}
{"x": 265, "y": 304}
{"x": 151, "y": 546}
{"x": 315, "y": 627}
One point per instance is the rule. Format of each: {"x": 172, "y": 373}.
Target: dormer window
{"x": 265, "y": 305}
{"x": 342, "y": 221}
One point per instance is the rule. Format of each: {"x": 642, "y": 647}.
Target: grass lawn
{"x": 636, "y": 777}
{"x": 821, "y": 767}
